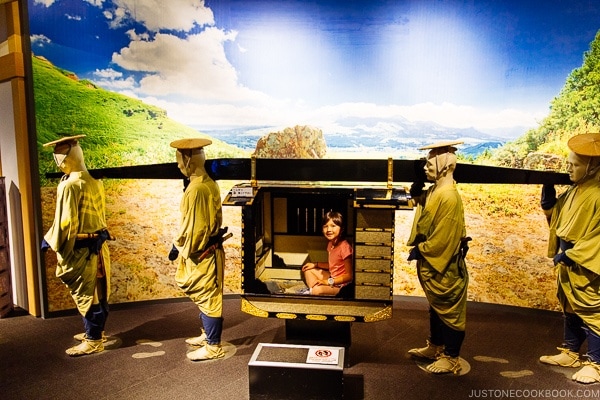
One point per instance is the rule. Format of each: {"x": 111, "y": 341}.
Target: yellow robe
{"x": 201, "y": 218}
{"x": 437, "y": 229}
{"x": 576, "y": 219}
{"x": 80, "y": 208}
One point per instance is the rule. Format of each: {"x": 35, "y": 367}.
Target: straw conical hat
{"x": 587, "y": 144}
{"x": 65, "y": 139}
{"x": 190, "y": 144}
{"x": 441, "y": 145}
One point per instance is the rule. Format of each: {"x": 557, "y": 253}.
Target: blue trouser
{"x": 576, "y": 332}
{"x": 95, "y": 319}
{"x": 442, "y": 334}
{"x": 213, "y": 327}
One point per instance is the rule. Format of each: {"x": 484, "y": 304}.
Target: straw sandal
{"x": 430, "y": 352}
{"x": 198, "y": 340}
{"x": 85, "y": 347}
{"x": 82, "y": 336}
{"x": 444, "y": 365}
{"x": 566, "y": 358}
{"x": 590, "y": 373}
{"x": 208, "y": 352}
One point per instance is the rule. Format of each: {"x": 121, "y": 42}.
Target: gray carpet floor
{"x": 145, "y": 356}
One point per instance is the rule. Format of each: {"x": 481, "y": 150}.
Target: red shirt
{"x": 337, "y": 255}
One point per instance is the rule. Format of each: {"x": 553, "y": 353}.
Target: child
{"x": 326, "y": 279}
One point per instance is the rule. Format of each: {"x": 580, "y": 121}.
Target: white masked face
{"x": 581, "y": 168}
{"x": 61, "y": 152}
{"x": 438, "y": 164}
{"x": 435, "y": 166}
{"x": 187, "y": 162}
{"x": 431, "y": 168}
{"x": 181, "y": 162}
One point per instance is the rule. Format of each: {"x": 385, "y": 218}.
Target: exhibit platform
{"x": 145, "y": 356}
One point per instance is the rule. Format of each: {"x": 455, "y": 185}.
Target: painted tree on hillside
{"x": 575, "y": 110}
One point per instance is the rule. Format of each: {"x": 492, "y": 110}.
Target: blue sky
{"x": 492, "y": 65}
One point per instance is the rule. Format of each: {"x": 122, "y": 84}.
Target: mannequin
{"x": 438, "y": 236}
{"x": 198, "y": 247}
{"x": 78, "y": 236}
{"x": 574, "y": 219}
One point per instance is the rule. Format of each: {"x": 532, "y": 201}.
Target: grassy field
{"x": 507, "y": 258}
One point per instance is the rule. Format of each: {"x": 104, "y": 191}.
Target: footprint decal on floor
{"x": 506, "y": 374}
{"x": 490, "y": 359}
{"x": 516, "y": 374}
{"x": 151, "y": 343}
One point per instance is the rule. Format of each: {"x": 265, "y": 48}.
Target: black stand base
{"x": 332, "y": 333}
{"x": 294, "y": 371}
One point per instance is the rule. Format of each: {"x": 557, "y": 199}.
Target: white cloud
{"x": 40, "y": 40}
{"x": 48, "y": 3}
{"x": 194, "y": 81}
{"x": 95, "y": 3}
{"x": 117, "y": 17}
{"x": 327, "y": 118}
{"x": 224, "y": 115}
{"x": 457, "y": 116}
{"x": 137, "y": 37}
{"x": 112, "y": 80}
{"x": 73, "y": 17}
{"x": 108, "y": 73}
{"x": 45, "y": 3}
{"x": 446, "y": 114}
{"x": 194, "y": 67}
{"x": 155, "y": 15}
{"x": 119, "y": 85}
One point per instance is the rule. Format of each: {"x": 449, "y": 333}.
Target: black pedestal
{"x": 288, "y": 371}
{"x": 332, "y": 333}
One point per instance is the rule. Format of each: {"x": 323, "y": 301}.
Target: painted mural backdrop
{"x": 378, "y": 78}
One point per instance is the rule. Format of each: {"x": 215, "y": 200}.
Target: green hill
{"x": 575, "y": 110}
{"x": 121, "y": 131}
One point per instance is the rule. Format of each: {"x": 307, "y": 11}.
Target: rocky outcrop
{"x": 544, "y": 162}
{"x": 296, "y": 142}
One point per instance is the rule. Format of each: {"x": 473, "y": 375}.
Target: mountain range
{"x": 397, "y": 136}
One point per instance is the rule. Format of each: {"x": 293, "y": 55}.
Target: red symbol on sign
{"x": 323, "y": 353}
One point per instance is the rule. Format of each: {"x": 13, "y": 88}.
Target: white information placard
{"x": 242, "y": 191}
{"x": 323, "y": 355}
